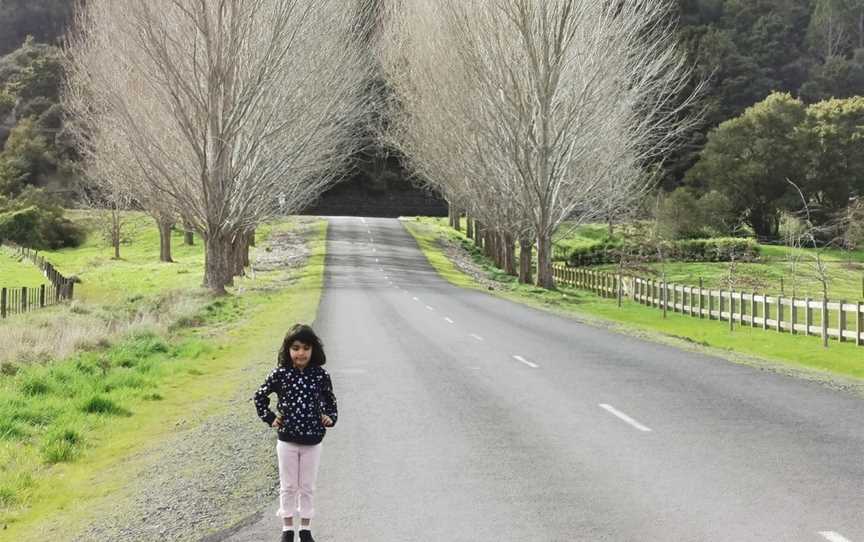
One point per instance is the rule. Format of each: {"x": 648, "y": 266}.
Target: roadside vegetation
{"x": 774, "y": 269}
{"x": 743, "y": 344}
{"x": 85, "y": 383}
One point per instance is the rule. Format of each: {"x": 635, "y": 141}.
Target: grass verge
{"x": 803, "y": 355}
{"x": 71, "y": 430}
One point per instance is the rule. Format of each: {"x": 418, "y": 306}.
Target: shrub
{"x": 10, "y": 430}
{"x": 102, "y": 405}
{"x": 33, "y": 220}
{"x": 7, "y": 496}
{"x": 686, "y": 214}
{"x": 35, "y": 385}
{"x": 62, "y": 446}
{"x": 690, "y": 250}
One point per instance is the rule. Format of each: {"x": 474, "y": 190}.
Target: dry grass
{"x": 57, "y": 333}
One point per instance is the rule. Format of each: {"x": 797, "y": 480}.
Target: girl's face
{"x": 301, "y": 353}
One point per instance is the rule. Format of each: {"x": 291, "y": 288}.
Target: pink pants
{"x": 298, "y": 470}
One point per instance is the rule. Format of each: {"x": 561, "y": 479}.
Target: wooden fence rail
{"x": 21, "y": 300}
{"x": 839, "y": 320}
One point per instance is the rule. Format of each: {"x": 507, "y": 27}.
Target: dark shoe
{"x": 306, "y": 536}
{"x": 288, "y": 536}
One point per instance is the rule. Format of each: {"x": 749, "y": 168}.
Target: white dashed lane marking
{"x": 475, "y": 336}
{"x": 428, "y": 308}
{"x": 624, "y": 417}
{"x": 449, "y": 321}
{"x": 520, "y": 359}
{"x": 416, "y": 298}
{"x": 831, "y": 536}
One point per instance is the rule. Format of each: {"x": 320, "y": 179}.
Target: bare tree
{"x": 543, "y": 102}
{"x": 227, "y": 104}
{"x": 819, "y": 267}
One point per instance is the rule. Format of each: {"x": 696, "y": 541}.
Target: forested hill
{"x": 747, "y": 47}
{"x": 45, "y": 20}
{"x": 813, "y": 49}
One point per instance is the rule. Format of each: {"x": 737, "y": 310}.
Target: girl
{"x": 306, "y": 405}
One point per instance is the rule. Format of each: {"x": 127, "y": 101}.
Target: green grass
{"x": 17, "y": 273}
{"x": 138, "y": 272}
{"x": 772, "y": 275}
{"x": 743, "y": 343}
{"x": 66, "y": 427}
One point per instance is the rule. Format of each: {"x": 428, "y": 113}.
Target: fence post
{"x": 765, "y": 311}
{"x": 780, "y": 313}
{"x": 3, "y": 303}
{"x": 42, "y": 296}
{"x": 731, "y": 310}
{"x": 710, "y": 304}
{"x": 808, "y": 317}
{"x": 719, "y": 305}
{"x": 664, "y": 296}
{"x": 23, "y": 299}
{"x": 752, "y": 309}
{"x": 824, "y": 322}
{"x": 674, "y": 298}
{"x": 794, "y": 317}
{"x": 841, "y": 321}
{"x": 858, "y": 326}
{"x": 620, "y": 289}
{"x": 700, "y": 298}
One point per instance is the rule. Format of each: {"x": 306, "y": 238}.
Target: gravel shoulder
{"x": 208, "y": 474}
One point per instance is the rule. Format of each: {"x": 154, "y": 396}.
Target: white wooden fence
{"x": 839, "y": 320}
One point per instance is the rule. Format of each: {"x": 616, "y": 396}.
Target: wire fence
{"x": 20, "y": 300}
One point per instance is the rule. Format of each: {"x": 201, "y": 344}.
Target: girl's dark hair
{"x": 304, "y": 334}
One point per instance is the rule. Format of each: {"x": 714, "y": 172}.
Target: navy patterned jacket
{"x": 303, "y": 396}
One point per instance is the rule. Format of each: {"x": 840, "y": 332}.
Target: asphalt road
{"x": 464, "y": 417}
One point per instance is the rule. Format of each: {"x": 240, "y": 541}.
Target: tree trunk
{"x": 478, "y": 233}
{"x": 240, "y": 254}
{"x": 469, "y": 227}
{"x": 189, "y": 238}
{"x": 116, "y": 226}
{"x": 490, "y": 244}
{"x": 454, "y": 218}
{"x": 218, "y": 264}
{"x": 251, "y": 243}
{"x": 165, "y": 227}
{"x": 544, "y": 262}
{"x": 509, "y": 255}
{"x": 525, "y": 259}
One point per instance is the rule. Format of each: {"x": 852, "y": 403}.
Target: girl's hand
{"x": 277, "y": 422}
{"x": 326, "y": 421}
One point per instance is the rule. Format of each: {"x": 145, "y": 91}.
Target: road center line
{"x": 429, "y": 308}
{"x": 833, "y": 537}
{"x": 415, "y": 299}
{"x": 520, "y": 359}
{"x": 449, "y": 321}
{"x": 624, "y": 417}
{"x": 478, "y": 337}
